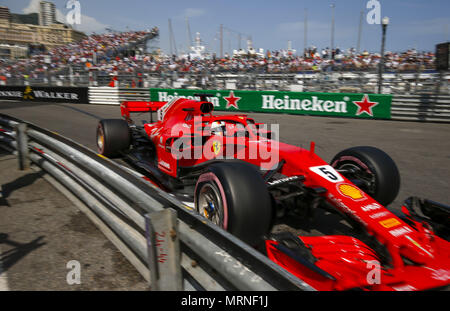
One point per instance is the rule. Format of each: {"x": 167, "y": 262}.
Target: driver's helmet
{"x": 217, "y": 127}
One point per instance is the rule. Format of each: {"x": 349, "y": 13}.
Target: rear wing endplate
{"x": 128, "y": 107}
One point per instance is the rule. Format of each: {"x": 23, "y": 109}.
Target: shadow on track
{"x": 19, "y": 250}
{"x": 21, "y": 182}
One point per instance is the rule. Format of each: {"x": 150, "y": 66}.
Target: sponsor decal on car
{"x": 351, "y": 191}
{"x": 379, "y": 215}
{"x": 327, "y": 172}
{"x": 164, "y": 164}
{"x": 162, "y": 111}
{"x": 283, "y": 180}
{"x": 389, "y": 223}
{"x": 371, "y": 207}
{"x": 441, "y": 275}
{"x": 400, "y": 231}
{"x": 404, "y": 288}
{"x": 346, "y": 209}
{"x": 340, "y": 204}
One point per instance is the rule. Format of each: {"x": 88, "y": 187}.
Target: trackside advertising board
{"x": 373, "y": 106}
{"x": 54, "y": 94}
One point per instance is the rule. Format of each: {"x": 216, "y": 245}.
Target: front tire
{"x": 235, "y": 197}
{"x": 113, "y": 136}
{"x": 373, "y": 168}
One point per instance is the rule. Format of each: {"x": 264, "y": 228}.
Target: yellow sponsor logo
{"x": 216, "y": 145}
{"x": 390, "y": 222}
{"x": 351, "y": 192}
{"x": 27, "y": 93}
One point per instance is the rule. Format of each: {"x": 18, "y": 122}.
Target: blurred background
{"x": 41, "y": 45}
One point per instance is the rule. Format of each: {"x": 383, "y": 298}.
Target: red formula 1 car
{"x": 241, "y": 178}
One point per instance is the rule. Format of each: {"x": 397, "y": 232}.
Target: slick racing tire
{"x": 113, "y": 136}
{"x": 234, "y": 196}
{"x": 372, "y": 170}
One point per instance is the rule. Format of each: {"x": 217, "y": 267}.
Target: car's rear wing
{"x": 128, "y": 107}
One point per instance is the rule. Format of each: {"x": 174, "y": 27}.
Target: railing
{"x": 402, "y": 83}
{"x": 115, "y": 95}
{"x": 192, "y": 254}
{"x": 424, "y": 107}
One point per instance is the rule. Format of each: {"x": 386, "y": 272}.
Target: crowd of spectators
{"x": 109, "y": 54}
{"x": 103, "y": 49}
{"x": 285, "y": 61}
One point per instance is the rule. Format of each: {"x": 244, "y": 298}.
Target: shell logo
{"x": 351, "y": 192}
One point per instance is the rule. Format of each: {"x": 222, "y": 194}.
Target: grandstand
{"x": 97, "y": 59}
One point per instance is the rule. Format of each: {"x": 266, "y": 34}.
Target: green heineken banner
{"x": 373, "y": 106}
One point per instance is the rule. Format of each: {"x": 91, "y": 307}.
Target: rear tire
{"x": 376, "y": 168}
{"x": 235, "y": 197}
{"x": 113, "y": 136}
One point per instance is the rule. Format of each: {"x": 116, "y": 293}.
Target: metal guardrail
{"x": 115, "y": 95}
{"x": 430, "y": 108}
{"x": 134, "y": 94}
{"x": 397, "y": 82}
{"x": 103, "y": 95}
{"x": 131, "y": 213}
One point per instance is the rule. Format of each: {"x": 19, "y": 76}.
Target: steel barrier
{"x": 197, "y": 255}
{"x": 396, "y": 82}
{"x": 115, "y": 95}
{"x": 430, "y": 108}
{"x": 103, "y": 95}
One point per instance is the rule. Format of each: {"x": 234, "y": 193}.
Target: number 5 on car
{"x": 327, "y": 172}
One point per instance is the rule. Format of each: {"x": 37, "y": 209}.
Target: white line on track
{"x": 3, "y": 277}
{"x": 408, "y": 130}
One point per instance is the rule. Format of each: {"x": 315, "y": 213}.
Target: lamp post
{"x": 384, "y": 24}
{"x": 305, "y": 37}
{"x": 333, "y": 6}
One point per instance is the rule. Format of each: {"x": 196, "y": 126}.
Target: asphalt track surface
{"x": 42, "y": 233}
{"x": 420, "y": 150}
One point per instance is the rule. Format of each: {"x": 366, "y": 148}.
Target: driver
{"x": 218, "y": 128}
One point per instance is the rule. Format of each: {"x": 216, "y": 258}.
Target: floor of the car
{"x": 322, "y": 223}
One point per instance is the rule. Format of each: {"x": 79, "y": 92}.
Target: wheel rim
{"x": 210, "y": 204}
{"x": 100, "y": 140}
{"x": 365, "y": 175}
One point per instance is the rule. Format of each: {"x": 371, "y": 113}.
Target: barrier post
{"x": 22, "y": 146}
{"x": 163, "y": 246}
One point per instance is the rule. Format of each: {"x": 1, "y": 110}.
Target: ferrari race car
{"x": 241, "y": 178}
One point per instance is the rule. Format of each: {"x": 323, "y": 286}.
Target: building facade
{"x": 47, "y": 13}
{"x": 20, "y": 34}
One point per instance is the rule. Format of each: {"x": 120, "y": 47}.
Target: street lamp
{"x": 333, "y": 6}
{"x": 384, "y": 24}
